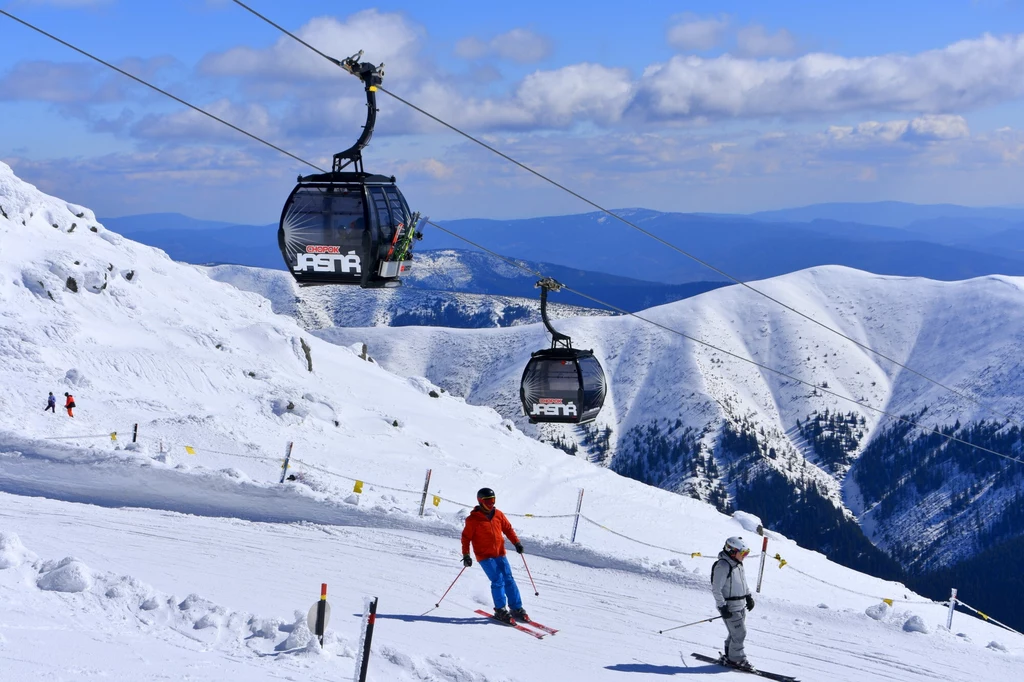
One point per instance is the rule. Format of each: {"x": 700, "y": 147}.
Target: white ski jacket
{"x": 729, "y": 583}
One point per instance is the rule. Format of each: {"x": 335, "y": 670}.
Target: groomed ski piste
{"x": 141, "y": 561}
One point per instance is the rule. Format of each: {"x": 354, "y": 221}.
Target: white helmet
{"x": 736, "y": 546}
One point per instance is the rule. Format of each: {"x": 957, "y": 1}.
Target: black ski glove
{"x": 519, "y": 547}
{"x": 724, "y": 610}
{"x": 750, "y": 603}
{"x": 467, "y": 560}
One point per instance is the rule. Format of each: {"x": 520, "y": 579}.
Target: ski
{"x": 513, "y": 624}
{"x": 543, "y": 628}
{"x": 759, "y": 673}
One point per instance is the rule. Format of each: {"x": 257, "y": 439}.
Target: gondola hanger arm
{"x": 557, "y": 338}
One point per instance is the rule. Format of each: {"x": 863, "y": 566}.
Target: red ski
{"x": 543, "y": 628}
{"x": 513, "y": 624}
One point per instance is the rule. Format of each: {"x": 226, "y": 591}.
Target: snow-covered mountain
{"x": 330, "y": 306}
{"x": 180, "y": 555}
{"x": 692, "y": 419}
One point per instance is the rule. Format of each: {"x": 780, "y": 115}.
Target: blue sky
{"x": 687, "y": 106}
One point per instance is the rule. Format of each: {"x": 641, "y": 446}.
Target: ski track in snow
{"x": 202, "y": 567}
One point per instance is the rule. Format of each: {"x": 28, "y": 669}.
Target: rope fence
{"x": 986, "y": 617}
{"x": 436, "y": 500}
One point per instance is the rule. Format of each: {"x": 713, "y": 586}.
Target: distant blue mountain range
{"x": 944, "y": 242}
{"x": 887, "y": 213}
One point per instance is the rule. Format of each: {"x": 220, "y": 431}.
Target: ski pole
{"x": 450, "y": 587}
{"x": 706, "y": 620}
{"x": 535, "y": 592}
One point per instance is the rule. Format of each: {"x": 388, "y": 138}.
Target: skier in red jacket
{"x": 485, "y": 528}
{"x": 69, "y": 404}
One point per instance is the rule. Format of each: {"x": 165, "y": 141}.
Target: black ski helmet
{"x": 484, "y": 493}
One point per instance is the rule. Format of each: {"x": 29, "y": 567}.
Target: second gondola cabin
{"x": 561, "y": 384}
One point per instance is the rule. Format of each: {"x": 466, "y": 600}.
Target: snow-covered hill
{"x": 142, "y": 561}
{"x": 328, "y": 306}
{"x": 690, "y": 418}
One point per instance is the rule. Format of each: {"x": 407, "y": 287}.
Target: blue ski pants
{"x": 502, "y": 583}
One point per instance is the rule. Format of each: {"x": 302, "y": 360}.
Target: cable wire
{"x": 636, "y": 227}
{"x": 534, "y": 272}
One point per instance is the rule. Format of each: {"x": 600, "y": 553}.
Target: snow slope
{"x": 142, "y": 561}
{"x": 966, "y": 335}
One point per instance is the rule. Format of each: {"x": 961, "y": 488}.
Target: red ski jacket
{"x": 70, "y": 401}
{"x": 486, "y": 534}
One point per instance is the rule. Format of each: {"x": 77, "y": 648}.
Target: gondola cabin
{"x": 562, "y": 385}
{"x": 349, "y": 226}
{"x": 346, "y": 228}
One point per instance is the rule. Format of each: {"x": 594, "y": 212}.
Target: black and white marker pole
{"x": 369, "y": 617}
{"x": 319, "y": 615}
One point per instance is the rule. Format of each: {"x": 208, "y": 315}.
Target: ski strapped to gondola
{"x": 513, "y": 624}
{"x": 759, "y": 673}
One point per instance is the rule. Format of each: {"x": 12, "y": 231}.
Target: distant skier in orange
{"x": 69, "y": 404}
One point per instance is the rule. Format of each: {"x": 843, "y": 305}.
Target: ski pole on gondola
{"x": 535, "y": 592}
{"x": 450, "y": 587}
{"x": 698, "y": 622}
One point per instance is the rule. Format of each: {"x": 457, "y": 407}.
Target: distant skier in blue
{"x": 51, "y": 404}
{"x": 733, "y": 600}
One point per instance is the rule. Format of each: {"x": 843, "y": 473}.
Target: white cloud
{"x": 755, "y": 41}
{"x": 519, "y": 45}
{"x": 965, "y": 75}
{"x": 689, "y": 32}
{"x": 927, "y": 128}
{"x": 471, "y": 48}
{"x": 383, "y": 37}
{"x": 187, "y": 124}
{"x": 581, "y": 91}
{"x": 939, "y": 127}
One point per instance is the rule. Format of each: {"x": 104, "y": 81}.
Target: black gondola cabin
{"x": 345, "y": 228}
{"x": 349, "y": 227}
{"x": 561, "y": 384}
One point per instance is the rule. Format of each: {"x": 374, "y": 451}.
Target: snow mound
{"x": 749, "y": 522}
{"x": 69, "y": 575}
{"x": 12, "y": 552}
{"x": 915, "y": 624}
{"x": 877, "y": 611}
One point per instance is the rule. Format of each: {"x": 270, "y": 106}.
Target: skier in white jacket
{"x": 732, "y": 597}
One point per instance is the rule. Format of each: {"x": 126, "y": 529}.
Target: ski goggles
{"x": 741, "y": 554}
{"x": 486, "y": 502}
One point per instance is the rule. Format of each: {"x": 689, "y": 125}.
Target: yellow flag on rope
{"x": 190, "y": 450}
{"x": 113, "y": 435}
{"x": 358, "y": 487}
{"x": 437, "y": 501}
{"x": 782, "y": 562}
{"x": 888, "y": 601}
